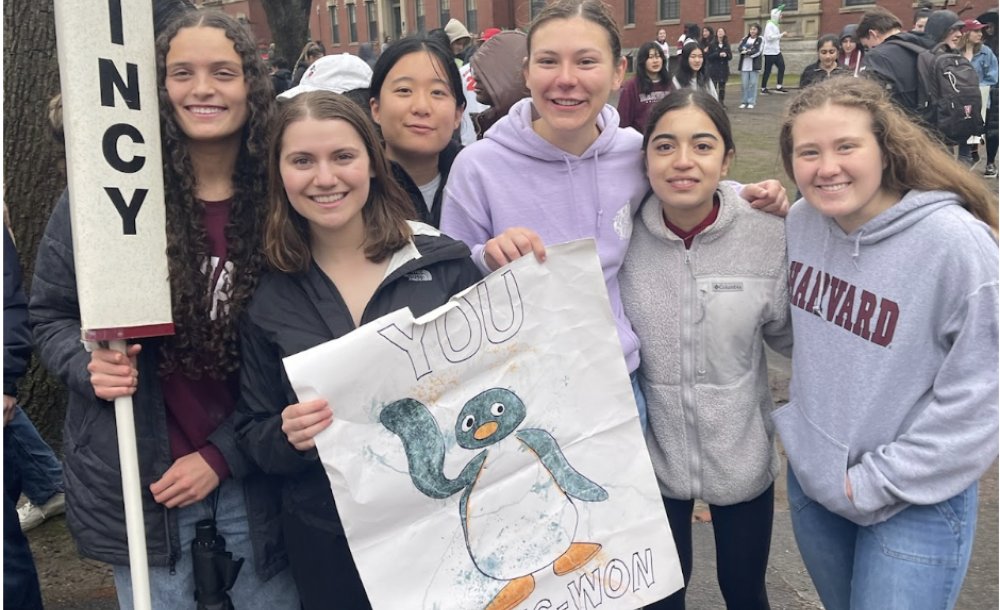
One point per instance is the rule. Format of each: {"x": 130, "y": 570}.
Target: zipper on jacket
{"x": 689, "y": 303}
{"x": 172, "y": 553}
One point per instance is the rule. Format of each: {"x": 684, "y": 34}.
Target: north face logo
{"x": 420, "y": 275}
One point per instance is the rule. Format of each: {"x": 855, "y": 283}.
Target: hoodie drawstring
{"x": 857, "y": 250}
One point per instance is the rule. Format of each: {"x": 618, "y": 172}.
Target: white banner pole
{"x": 128, "y": 456}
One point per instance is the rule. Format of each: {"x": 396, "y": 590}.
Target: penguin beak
{"x": 486, "y": 430}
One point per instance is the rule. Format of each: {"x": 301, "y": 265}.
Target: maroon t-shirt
{"x": 688, "y": 236}
{"x": 197, "y": 407}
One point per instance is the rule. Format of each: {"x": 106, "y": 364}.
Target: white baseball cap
{"x": 337, "y": 73}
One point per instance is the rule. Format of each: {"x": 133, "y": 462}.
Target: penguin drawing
{"x": 511, "y": 530}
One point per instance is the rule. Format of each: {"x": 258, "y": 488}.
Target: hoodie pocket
{"x": 819, "y": 460}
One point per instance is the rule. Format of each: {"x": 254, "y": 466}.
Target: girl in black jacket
{"x": 718, "y": 54}
{"x": 337, "y": 231}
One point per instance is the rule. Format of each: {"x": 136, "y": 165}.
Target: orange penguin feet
{"x": 578, "y": 554}
{"x": 513, "y": 594}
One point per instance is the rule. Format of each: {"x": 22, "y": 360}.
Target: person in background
{"x": 772, "y": 50}
{"x": 691, "y": 71}
{"x": 985, "y": 62}
{"x": 892, "y": 65}
{"x": 718, "y": 55}
{"x": 651, "y": 83}
{"x": 468, "y": 129}
{"x": 417, "y": 102}
{"x": 920, "y": 20}
{"x": 826, "y": 66}
{"x": 310, "y": 53}
{"x": 346, "y": 74}
{"x": 691, "y": 33}
{"x": 281, "y": 76}
{"x": 499, "y": 82}
{"x": 661, "y": 39}
{"x": 366, "y": 51}
{"x": 706, "y": 38}
{"x": 750, "y": 50}
{"x": 851, "y": 53}
{"x": 460, "y": 40}
{"x": 893, "y": 415}
{"x": 20, "y": 577}
{"x": 385, "y": 44}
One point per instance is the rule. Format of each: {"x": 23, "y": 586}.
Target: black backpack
{"x": 949, "y": 97}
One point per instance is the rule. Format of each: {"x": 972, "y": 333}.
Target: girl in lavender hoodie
{"x": 569, "y": 174}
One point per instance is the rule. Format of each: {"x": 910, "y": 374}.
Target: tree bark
{"x": 34, "y": 177}
{"x": 289, "y": 23}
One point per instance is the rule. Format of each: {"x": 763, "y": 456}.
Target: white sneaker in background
{"x": 32, "y": 516}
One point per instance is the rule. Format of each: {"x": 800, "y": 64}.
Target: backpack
{"x": 949, "y": 93}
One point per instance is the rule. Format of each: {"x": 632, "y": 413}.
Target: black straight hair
{"x": 684, "y": 98}
{"x": 646, "y": 84}
{"x": 684, "y": 72}
{"x": 418, "y": 43}
{"x": 831, "y": 38}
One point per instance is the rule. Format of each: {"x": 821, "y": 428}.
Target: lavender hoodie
{"x": 515, "y": 178}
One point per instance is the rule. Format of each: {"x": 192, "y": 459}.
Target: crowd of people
{"x": 296, "y": 216}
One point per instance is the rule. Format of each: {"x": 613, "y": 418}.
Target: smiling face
{"x": 706, "y": 33}
{"x": 838, "y": 165}
{"x": 661, "y": 36}
{"x": 685, "y": 159}
{"x": 327, "y": 174}
{"x": 204, "y": 80}
{"x": 416, "y": 108}
{"x": 654, "y": 63}
{"x": 953, "y": 38}
{"x": 696, "y": 60}
{"x": 571, "y": 72}
{"x": 828, "y": 54}
{"x": 754, "y": 32}
{"x": 720, "y": 34}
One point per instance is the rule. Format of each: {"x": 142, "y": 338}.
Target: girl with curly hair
{"x": 893, "y": 416}
{"x": 215, "y": 103}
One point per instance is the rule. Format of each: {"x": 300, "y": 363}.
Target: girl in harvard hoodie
{"x": 893, "y": 415}
{"x": 569, "y": 174}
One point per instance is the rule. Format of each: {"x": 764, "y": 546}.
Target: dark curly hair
{"x": 202, "y": 345}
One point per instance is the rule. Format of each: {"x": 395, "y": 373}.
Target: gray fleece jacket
{"x": 702, "y": 316}
{"x": 895, "y": 362}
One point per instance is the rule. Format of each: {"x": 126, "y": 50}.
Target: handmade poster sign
{"x": 489, "y": 454}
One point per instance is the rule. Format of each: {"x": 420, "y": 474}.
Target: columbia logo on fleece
{"x": 727, "y": 287}
{"x": 420, "y": 275}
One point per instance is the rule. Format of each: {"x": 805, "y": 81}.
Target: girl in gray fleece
{"x": 704, "y": 284}
{"x": 893, "y": 273}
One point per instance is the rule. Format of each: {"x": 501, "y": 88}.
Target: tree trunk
{"x": 289, "y": 23}
{"x": 34, "y": 177}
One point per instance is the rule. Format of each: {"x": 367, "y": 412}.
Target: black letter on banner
{"x": 110, "y": 77}
{"x": 128, "y": 211}
{"x": 115, "y": 18}
{"x": 110, "y": 146}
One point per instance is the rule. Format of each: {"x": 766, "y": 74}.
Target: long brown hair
{"x": 914, "y": 160}
{"x": 202, "y": 345}
{"x": 286, "y": 233}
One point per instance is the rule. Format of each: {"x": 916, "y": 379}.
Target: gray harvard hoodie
{"x": 894, "y": 379}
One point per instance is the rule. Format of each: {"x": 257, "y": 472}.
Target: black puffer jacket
{"x": 94, "y": 507}
{"x": 16, "y": 335}
{"x": 292, "y": 313}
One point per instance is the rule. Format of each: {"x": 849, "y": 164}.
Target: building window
{"x": 372, "y": 21}
{"x": 629, "y": 12}
{"x": 445, "y": 6}
{"x": 421, "y": 17}
{"x": 471, "y": 20}
{"x": 793, "y": 5}
{"x": 334, "y": 24}
{"x": 858, "y": 2}
{"x": 741, "y": 2}
{"x": 352, "y": 23}
{"x": 718, "y": 8}
{"x": 669, "y": 9}
{"x": 536, "y": 7}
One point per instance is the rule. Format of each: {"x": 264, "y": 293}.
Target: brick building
{"x": 343, "y": 24}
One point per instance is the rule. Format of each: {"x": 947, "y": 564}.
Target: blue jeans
{"x": 41, "y": 473}
{"x": 170, "y": 591}
{"x": 913, "y": 560}
{"x": 749, "y": 87}
{"x": 20, "y": 579}
{"x": 640, "y": 399}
